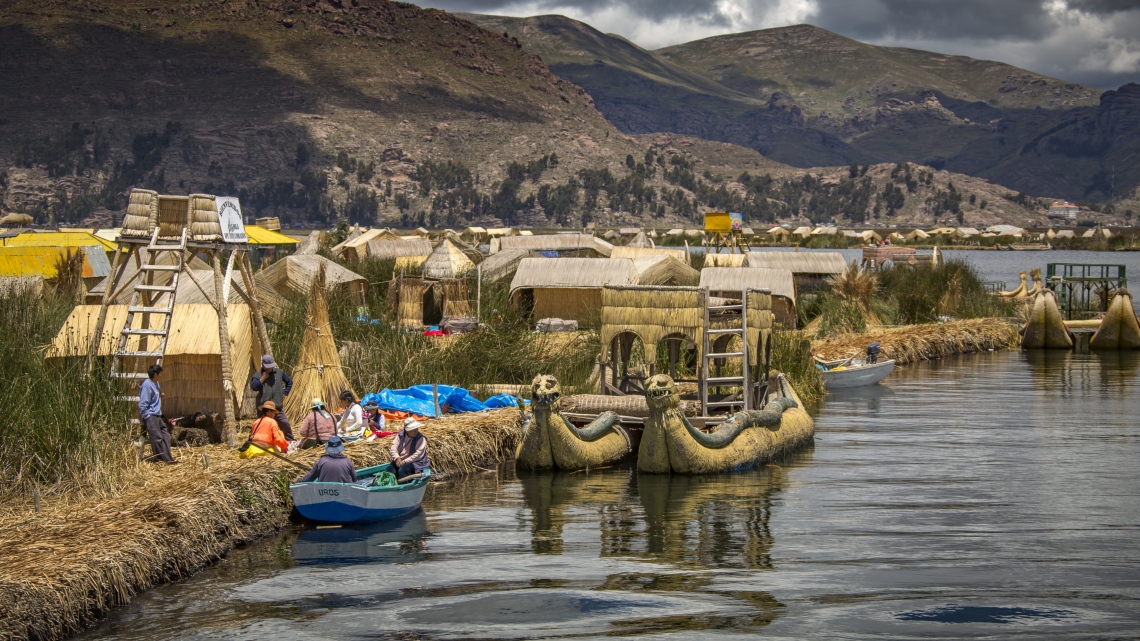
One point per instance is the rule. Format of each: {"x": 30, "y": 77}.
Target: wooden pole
{"x": 479, "y": 294}
{"x": 255, "y": 307}
{"x": 228, "y": 434}
{"x": 251, "y": 300}
{"x": 435, "y": 398}
{"x": 118, "y": 266}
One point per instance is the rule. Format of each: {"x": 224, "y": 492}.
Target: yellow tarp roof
{"x": 57, "y": 239}
{"x": 262, "y": 236}
{"x": 41, "y": 261}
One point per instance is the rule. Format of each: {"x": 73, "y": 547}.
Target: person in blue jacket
{"x": 273, "y": 384}
{"x": 150, "y": 411}
{"x": 333, "y": 467}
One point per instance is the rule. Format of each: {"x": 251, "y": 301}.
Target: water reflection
{"x": 400, "y": 541}
{"x": 1069, "y": 374}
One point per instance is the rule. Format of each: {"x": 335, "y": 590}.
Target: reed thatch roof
{"x": 713, "y": 259}
{"x": 917, "y": 234}
{"x": 664, "y": 270}
{"x": 503, "y": 265}
{"x": 447, "y": 261}
{"x": 641, "y": 240}
{"x": 311, "y": 244}
{"x": 292, "y": 277}
{"x": 355, "y": 246}
{"x": 798, "y": 262}
{"x": 778, "y": 282}
{"x": 558, "y": 243}
{"x": 779, "y": 232}
{"x": 396, "y": 248}
{"x": 639, "y": 252}
{"x": 570, "y": 273}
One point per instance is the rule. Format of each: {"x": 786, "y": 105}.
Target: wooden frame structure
{"x": 181, "y": 226}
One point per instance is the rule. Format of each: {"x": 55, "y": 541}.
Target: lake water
{"x": 984, "y": 496}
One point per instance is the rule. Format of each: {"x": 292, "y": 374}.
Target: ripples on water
{"x": 985, "y": 496}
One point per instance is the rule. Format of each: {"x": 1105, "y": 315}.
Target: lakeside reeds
{"x": 67, "y": 566}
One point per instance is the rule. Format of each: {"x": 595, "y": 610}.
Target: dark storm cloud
{"x": 984, "y": 19}
{"x": 1104, "y": 6}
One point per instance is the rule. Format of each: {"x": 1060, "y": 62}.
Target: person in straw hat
{"x": 318, "y": 425}
{"x": 273, "y": 384}
{"x": 264, "y": 435}
{"x": 333, "y": 466}
{"x": 409, "y": 450}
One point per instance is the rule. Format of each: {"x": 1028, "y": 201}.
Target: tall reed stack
{"x": 318, "y": 373}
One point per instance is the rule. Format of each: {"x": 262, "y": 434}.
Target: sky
{"x": 1091, "y": 42}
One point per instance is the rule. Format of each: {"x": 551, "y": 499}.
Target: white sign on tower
{"x": 229, "y": 216}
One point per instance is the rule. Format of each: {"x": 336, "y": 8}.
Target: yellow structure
{"x": 725, "y": 229}
{"x": 72, "y": 239}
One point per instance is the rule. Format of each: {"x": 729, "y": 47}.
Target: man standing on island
{"x": 273, "y": 384}
{"x": 150, "y": 411}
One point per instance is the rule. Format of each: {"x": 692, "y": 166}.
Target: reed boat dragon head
{"x": 545, "y": 391}
{"x": 661, "y": 393}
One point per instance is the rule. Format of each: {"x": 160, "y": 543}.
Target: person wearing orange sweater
{"x": 265, "y": 433}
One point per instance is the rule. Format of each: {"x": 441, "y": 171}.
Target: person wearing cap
{"x": 351, "y": 423}
{"x": 409, "y": 450}
{"x": 333, "y": 466}
{"x": 318, "y": 426}
{"x": 265, "y": 434}
{"x": 150, "y": 411}
{"x": 273, "y": 384}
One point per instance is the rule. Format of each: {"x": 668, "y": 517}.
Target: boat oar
{"x": 245, "y": 446}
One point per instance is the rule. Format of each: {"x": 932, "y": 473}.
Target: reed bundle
{"x": 456, "y": 303}
{"x": 64, "y": 568}
{"x": 318, "y": 372}
{"x": 142, "y": 213}
{"x": 173, "y": 212}
{"x": 406, "y": 301}
{"x": 203, "y": 222}
{"x": 923, "y": 342}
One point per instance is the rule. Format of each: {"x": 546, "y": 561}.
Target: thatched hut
{"x": 192, "y": 376}
{"x": 917, "y": 234}
{"x": 641, "y": 240}
{"x": 564, "y": 245}
{"x": 16, "y": 220}
{"x": 408, "y": 254}
{"x": 292, "y": 278}
{"x": 503, "y": 265}
{"x": 779, "y": 233}
{"x": 568, "y": 288}
{"x": 728, "y": 282}
{"x": 668, "y": 270}
{"x": 312, "y": 243}
{"x": 809, "y": 269}
{"x": 356, "y": 245}
{"x": 417, "y": 302}
{"x": 447, "y": 261}
{"x": 653, "y": 315}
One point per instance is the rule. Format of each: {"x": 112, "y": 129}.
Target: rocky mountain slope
{"x": 381, "y": 112}
{"x": 807, "y": 97}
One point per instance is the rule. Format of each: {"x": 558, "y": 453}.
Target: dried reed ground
{"x": 66, "y": 567}
{"x": 923, "y": 342}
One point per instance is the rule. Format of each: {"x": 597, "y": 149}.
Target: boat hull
{"x": 858, "y": 376}
{"x": 349, "y": 503}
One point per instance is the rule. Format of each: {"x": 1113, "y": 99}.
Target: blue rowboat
{"x": 358, "y": 502}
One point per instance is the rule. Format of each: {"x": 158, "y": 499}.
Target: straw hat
{"x": 269, "y": 405}
{"x": 412, "y": 424}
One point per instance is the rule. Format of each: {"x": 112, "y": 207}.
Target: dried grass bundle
{"x": 62, "y": 569}
{"x": 923, "y": 342}
{"x": 173, "y": 214}
{"x": 142, "y": 214}
{"x": 318, "y": 373}
{"x": 203, "y": 222}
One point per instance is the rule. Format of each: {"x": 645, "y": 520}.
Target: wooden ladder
{"x": 737, "y": 314}
{"x": 148, "y": 298}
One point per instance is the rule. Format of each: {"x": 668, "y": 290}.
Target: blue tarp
{"x": 418, "y": 400}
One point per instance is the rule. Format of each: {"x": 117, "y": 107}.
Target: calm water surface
{"x": 978, "y": 497}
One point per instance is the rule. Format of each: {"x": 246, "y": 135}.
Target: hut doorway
{"x": 629, "y": 368}
{"x": 678, "y": 354}
{"x": 433, "y": 305}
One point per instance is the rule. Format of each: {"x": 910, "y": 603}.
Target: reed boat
{"x": 670, "y": 443}
{"x": 1045, "y": 328}
{"x": 855, "y": 373}
{"x": 549, "y": 441}
{"x": 358, "y": 502}
{"x": 1119, "y": 329}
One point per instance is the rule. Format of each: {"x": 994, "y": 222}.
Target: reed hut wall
{"x": 569, "y": 288}
{"x": 652, "y": 314}
{"x": 173, "y": 216}
{"x": 572, "y": 303}
{"x": 406, "y": 301}
{"x": 192, "y": 367}
{"x": 142, "y": 214}
{"x": 724, "y": 260}
{"x": 456, "y": 298}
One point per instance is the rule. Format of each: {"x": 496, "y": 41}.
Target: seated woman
{"x": 409, "y": 451}
{"x": 265, "y": 435}
{"x": 318, "y": 426}
{"x": 351, "y": 424}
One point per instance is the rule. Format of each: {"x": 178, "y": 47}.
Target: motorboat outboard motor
{"x": 873, "y": 353}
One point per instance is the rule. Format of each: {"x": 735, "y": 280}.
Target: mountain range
{"x": 808, "y": 97}
{"x": 385, "y": 113}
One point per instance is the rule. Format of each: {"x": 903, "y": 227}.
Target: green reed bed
{"x": 62, "y": 428}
